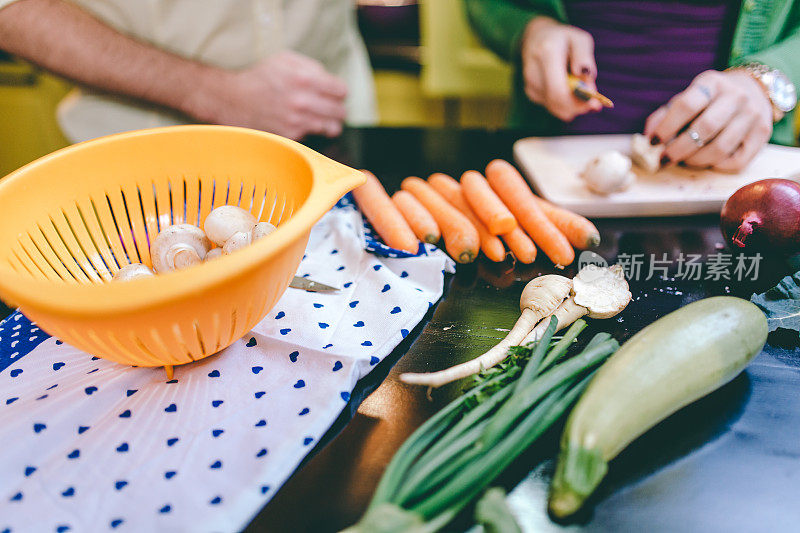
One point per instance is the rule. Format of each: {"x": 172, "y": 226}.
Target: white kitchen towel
{"x": 90, "y": 445}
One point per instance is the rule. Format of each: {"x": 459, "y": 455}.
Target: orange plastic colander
{"x": 71, "y": 219}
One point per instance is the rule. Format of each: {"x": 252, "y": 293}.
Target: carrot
{"x": 579, "y": 230}
{"x": 520, "y": 245}
{"x": 514, "y": 191}
{"x": 483, "y": 200}
{"x": 422, "y": 223}
{"x": 460, "y": 237}
{"x": 451, "y": 190}
{"x": 384, "y": 216}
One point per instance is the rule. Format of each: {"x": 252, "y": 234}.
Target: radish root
{"x": 540, "y": 298}
{"x": 566, "y": 313}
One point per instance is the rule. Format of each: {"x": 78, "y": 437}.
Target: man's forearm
{"x": 68, "y": 41}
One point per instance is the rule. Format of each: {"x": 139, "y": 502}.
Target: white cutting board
{"x": 552, "y": 165}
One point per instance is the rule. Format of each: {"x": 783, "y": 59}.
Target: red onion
{"x": 763, "y": 215}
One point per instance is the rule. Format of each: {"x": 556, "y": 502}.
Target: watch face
{"x": 781, "y": 91}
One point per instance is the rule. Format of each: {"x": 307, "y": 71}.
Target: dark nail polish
{"x": 665, "y": 161}
{"x": 585, "y": 71}
{"x": 654, "y": 140}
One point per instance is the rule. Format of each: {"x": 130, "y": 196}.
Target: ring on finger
{"x": 695, "y": 138}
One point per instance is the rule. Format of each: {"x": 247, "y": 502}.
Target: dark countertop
{"x": 729, "y": 462}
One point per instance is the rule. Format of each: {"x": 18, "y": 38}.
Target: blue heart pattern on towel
{"x": 302, "y": 399}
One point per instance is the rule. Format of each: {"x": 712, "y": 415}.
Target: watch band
{"x": 759, "y": 71}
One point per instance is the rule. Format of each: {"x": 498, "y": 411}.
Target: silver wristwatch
{"x": 779, "y": 89}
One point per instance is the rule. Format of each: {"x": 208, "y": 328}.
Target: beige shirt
{"x": 226, "y": 33}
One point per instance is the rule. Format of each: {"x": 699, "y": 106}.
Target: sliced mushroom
{"x": 179, "y": 246}
{"x": 599, "y": 292}
{"x": 644, "y": 155}
{"x": 133, "y": 271}
{"x": 225, "y": 221}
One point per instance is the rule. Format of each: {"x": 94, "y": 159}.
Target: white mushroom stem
{"x": 132, "y": 271}
{"x": 178, "y": 246}
{"x": 539, "y": 299}
{"x": 182, "y": 256}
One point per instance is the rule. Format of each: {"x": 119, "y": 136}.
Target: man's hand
{"x": 720, "y": 121}
{"x": 549, "y": 51}
{"x": 287, "y": 93}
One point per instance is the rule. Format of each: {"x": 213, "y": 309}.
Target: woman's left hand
{"x": 729, "y": 118}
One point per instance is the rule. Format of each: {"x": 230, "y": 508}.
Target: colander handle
{"x": 334, "y": 178}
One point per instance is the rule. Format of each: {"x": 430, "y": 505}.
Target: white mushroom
{"x": 237, "y": 241}
{"x": 644, "y": 155}
{"x": 262, "y": 229}
{"x": 225, "y": 221}
{"x": 178, "y": 247}
{"x": 599, "y": 292}
{"x": 213, "y": 254}
{"x": 609, "y": 172}
{"x": 132, "y": 271}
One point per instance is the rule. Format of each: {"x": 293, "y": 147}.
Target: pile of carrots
{"x": 478, "y": 214}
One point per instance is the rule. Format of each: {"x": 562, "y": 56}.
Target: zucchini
{"x": 667, "y": 365}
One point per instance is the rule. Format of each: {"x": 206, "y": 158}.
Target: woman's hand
{"x": 549, "y": 51}
{"x": 729, "y": 118}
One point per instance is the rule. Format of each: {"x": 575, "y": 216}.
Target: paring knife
{"x": 311, "y": 285}
{"x": 582, "y": 91}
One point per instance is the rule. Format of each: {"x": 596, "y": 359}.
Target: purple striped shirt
{"x": 646, "y": 52}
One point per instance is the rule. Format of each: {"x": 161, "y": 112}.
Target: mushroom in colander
{"x": 233, "y": 228}
{"x": 132, "y": 271}
{"x": 179, "y": 246}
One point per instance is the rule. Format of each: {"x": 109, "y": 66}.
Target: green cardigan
{"x": 767, "y": 31}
